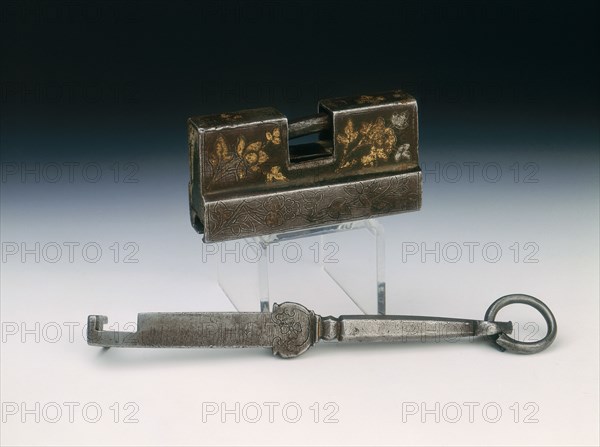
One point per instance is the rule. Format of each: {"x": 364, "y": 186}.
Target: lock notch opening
{"x": 313, "y": 139}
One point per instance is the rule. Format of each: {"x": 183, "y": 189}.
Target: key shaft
{"x": 394, "y": 329}
{"x": 290, "y": 329}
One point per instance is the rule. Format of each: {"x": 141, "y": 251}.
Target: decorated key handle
{"x": 291, "y": 329}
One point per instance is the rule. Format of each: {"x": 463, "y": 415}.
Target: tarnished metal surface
{"x": 246, "y": 179}
{"x": 361, "y": 328}
{"x": 291, "y": 329}
{"x": 510, "y": 344}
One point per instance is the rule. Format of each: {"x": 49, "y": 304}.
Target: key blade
{"x": 227, "y": 330}
{"x": 290, "y": 330}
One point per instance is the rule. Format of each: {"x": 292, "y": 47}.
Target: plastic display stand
{"x": 336, "y": 268}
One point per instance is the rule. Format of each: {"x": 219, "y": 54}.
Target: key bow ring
{"x": 507, "y": 343}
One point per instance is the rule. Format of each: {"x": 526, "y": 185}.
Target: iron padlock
{"x": 246, "y": 179}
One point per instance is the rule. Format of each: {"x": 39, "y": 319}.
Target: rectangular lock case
{"x": 246, "y": 179}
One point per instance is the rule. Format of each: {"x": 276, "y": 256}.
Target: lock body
{"x": 246, "y": 179}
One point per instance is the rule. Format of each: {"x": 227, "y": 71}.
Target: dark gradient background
{"x": 512, "y": 84}
{"x": 121, "y": 78}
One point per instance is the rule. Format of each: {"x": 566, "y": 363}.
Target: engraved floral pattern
{"x": 244, "y": 159}
{"x": 287, "y": 323}
{"x": 275, "y": 174}
{"x": 399, "y": 120}
{"x": 252, "y": 156}
{"x": 293, "y": 335}
{"x": 279, "y": 209}
{"x": 357, "y": 200}
{"x": 237, "y": 221}
{"x": 376, "y": 197}
{"x": 310, "y": 201}
{"x": 316, "y": 209}
{"x": 374, "y": 142}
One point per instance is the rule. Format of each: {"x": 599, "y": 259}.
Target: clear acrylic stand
{"x": 333, "y": 269}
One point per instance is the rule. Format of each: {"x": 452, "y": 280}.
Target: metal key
{"x": 290, "y": 329}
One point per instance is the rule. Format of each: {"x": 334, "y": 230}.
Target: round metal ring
{"x": 522, "y": 347}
